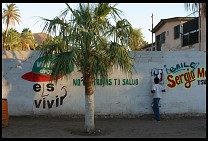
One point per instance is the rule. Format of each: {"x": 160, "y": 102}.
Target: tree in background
{"x": 3, "y": 37}
{"x": 195, "y": 7}
{"x": 56, "y": 40}
{"x": 13, "y": 40}
{"x": 92, "y": 43}
{"x": 10, "y": 16}
{"x": 19, "y": 41}
{"x": 137, "y": 40}
{"x": 27, "y": 39}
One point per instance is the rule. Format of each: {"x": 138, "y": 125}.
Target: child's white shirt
{"x": 158, "y": 90}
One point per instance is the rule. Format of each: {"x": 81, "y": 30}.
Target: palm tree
{"x": 13, "y": 39}
{"x": 3, "y": 37}
{"x": 195, "y": 7}
{"x": 10, "y": 16}
{"x": 55, "y": 40}
{"x": 27, "y": 39}
{"x": 92, "y": 43}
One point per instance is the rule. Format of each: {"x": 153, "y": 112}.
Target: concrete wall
{"x": 120, "y": 95}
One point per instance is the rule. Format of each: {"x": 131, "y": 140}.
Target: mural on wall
{"x": 41, "y": 73}
{"x": 157, "y": 73}
{"x": 108, "y": 82}
{"x": 48, "y": 103}
{"x": 185, "y": 74}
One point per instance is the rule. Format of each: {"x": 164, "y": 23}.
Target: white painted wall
{"x": 112, "y": 99}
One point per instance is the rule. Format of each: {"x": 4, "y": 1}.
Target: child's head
{"x": 156, "y": 80}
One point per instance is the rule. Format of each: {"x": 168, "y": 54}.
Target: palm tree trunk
{"x": 89, "y": 106}
{"x": 89, "y": 113}
{"x": 7, "y": 29}
{"x": 3, "y": 44}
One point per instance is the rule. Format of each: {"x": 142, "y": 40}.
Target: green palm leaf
{"x": 91, "y": 43}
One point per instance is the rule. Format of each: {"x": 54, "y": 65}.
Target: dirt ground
{"x": 44, "y": 127}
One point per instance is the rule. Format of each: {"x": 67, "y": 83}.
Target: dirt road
{"x": 43, "y": 127}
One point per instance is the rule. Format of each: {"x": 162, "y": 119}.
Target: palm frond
{"x": 60, "y": 69}
{"x": 98, "y": 45}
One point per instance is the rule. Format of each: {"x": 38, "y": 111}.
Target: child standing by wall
{"x": 157, "y": 90}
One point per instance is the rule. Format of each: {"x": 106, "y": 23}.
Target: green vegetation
{"x": 195, "y": 7}
{"x": 92, "y": 43}
{"x": 10, "y": 16}
{"x": 137, "y": 40}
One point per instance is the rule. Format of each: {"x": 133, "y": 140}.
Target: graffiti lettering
{"x": 201, "y": 73}
{"x": 181, "y": 66}
{"x": 42, "y": 64}
{"x": 76, "y": 82}
{"x": 45, "y": 71}
{"x": 109, "y": 82}
{"x": 130, "y": 82}
{"x": 49, "y": 102}
{"x": 37, "y": 88}
{"x": 117, "y": 81}
{"x": 188, "y": 77}
{"x": 58, "y": 101}
{"x": 101, "y": 82}
{"x": 202, "y": 82}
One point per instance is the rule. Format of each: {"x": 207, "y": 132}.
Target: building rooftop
{"x": 163, "y": 21}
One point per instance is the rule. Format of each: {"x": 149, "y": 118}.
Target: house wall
{"x": 120, "y": 95}
{"x": 170, "y": 44}
{"x": 150, "y": 48}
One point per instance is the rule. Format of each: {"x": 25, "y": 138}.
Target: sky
{"x": 138, "y": 14}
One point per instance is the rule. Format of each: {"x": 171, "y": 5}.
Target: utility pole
{"x": 152, "y": 29}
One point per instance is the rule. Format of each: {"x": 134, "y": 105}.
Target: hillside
{"x": 40, "y": 37}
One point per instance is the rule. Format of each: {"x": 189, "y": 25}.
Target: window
{"x": 191, "y": 25}
{"x": 177, "y": 32}
{"x": 158, "y": 43}
{"x": 163, "y": 37}
{"x": 153, "y": 49}
{"x": 159, "y": 40}
{"x": 185, "y": 40}
{"x": 191, "y": 32}
{"x": 191, "y": 38}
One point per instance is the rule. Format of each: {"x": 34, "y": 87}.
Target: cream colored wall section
{"x": 120, "y": 95}
{"x": 170, "y": 44}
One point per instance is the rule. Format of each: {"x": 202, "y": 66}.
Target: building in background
{"x": 178, "y": 34}
{"x": 149, "y": 47}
